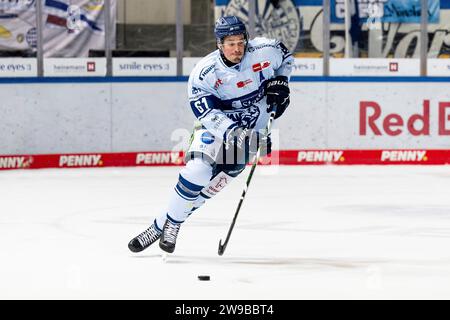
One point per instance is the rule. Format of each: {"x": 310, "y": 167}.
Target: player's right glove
{"x": 245, "y": 143}
{"x": 277, "y": 91}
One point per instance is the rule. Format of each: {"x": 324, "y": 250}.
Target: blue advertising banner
{"x": 397, "y": 11}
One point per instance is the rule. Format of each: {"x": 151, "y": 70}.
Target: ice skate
{"x": 169, "y": 236}
{"x": 145, "y": 239}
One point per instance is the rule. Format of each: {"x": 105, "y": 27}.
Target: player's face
{"x": 233, "y": 47}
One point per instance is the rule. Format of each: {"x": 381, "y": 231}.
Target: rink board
{"x": 110, "y": 121}
{"x": 282, "y": 157}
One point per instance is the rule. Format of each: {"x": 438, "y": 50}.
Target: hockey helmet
{"x": 229, "y": 26}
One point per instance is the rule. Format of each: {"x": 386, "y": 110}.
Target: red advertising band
{"x": 282, "y": 157}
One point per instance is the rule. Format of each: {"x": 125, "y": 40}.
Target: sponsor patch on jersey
{"x": 283, "y": 49}
{"x": 218, "y": 121}
{"x": 260, "y": 66}
{"x": 267, "y": 45}
{"x": 218, "y": 83}
{"x": 249, "y": 99}
{"x": 205, "y": 71}
{"x": 207, "y": 138}
{"x": 242, "y": 84}
{"x": 196, "y": 90}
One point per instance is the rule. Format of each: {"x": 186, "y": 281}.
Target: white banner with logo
{"x": 439, "y": 67}
{"x": 18, "y": 67}
{"x": 307, "y": 67}
{"x": 144, "y": 67}
{"x": 75, "y": 67}
{"x": 70, "y": 27}
{"x": 375, "y": 67}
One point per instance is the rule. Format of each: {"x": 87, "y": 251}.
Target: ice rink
{"x": 309, "y": 232}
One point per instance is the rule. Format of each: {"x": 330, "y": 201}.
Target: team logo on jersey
{"x": 281, "y": 19}
{"x": 245, "y": 117}
{"x": 242, "y": 84}
{"x": 205, "y": 71}
{"x": 207, "y": 138}
{"x": 257, "y": 67}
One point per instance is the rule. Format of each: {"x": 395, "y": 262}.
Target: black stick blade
{"x": 221, "y": 248}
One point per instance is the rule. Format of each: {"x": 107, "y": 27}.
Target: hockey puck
{"x": 204, "y": 278}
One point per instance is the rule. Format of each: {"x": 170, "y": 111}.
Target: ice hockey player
{"x": 231, "y": 92}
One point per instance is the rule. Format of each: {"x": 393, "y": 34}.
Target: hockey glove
{"x": 277, "y": 91}
{"x": 245, "y": 142}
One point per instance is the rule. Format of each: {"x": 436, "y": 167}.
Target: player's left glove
{"x": 246, "y": 142}
{"x": 277, "y": 91}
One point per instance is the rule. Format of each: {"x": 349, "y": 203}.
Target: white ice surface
{"x": 328, "y": 232}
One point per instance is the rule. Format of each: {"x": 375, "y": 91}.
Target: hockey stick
{"x": 223, "y": 246}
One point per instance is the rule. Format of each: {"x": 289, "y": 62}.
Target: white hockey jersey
{"x": 223, "y": 97}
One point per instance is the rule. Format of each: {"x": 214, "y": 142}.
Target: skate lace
{"x": 171, "y": 232}
{"x": 148, "y": 236}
